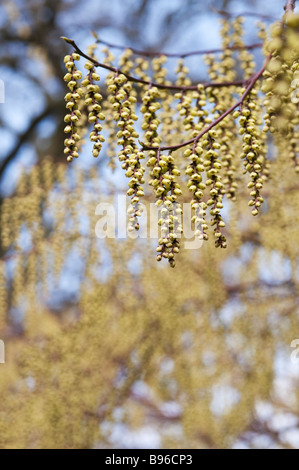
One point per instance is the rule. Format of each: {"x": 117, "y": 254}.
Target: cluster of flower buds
{"x": 93, "y": 99}
{"x": 160, "y": 72}
{"x": 164, "y": 173}
{"x": 134, "y": 171}
{"x": 221, "y": 101}
{"x": 227, "y": 66}
{"x": 190, "y": 107}
{"x": 159, "y": 75}
{"x": 72, "y": 99}
{"x": 230, "y": 150}
{"x": 253, "y": 158}
{"x": 126, "y": 62}
{"x": 276, "y": 85}
{"x": 163, "y": 176}
{"x": 109, "y": 123}
{"x": 141, "y": 68}
{"x": 280, "y": 76}
{"x": 149, "y": 107}
{"x": 196, "y": 185}
{"x": 214, "y": 95}
{"x": 182, "y": 74}
{"x": 246, "y": 58}
{"x": 167, "y": 129}
{"x": 213, "y": 166}
{"x": 171, "y": 228}
{"x": 123, "y": 103}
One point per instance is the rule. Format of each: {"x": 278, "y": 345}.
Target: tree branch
{"x": 245, "y": 13}
{"x": 176, "y": 54}
{"x": 130, "y": 78}
{"x": 24, "y": 136}
{"x": 290, "y": 5}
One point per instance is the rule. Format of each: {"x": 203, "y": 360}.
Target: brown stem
{"x": 250, "y": 84}
{"x": 245, "y": 13}
{"x": 25, "y": 135}
{"x": 130, "y": 78}
{"x": 290, "y": 5}
{"x": 177, "y": 54}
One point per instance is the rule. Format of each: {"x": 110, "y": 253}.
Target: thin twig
{"x": 24, "y": 136}
{"x": 130, "y": 78}
{"x": 245, "y": 13}
{"x": 177, "y": 54}
{"x": 290, "y": 5}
